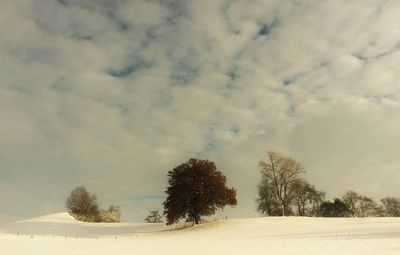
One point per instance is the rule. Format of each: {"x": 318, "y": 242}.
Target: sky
{"x": 114, "y": 94}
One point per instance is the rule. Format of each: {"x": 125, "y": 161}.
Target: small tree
{"x": 279, "y": 173}
{"x": 196, "y": 188}
{"x": 154, "y": 217}
{"x": 82, "y": 204}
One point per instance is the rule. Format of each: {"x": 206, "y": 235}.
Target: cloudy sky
{"x": 113, "y": 94}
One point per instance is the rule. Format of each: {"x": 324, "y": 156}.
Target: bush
{"x": 154, "y": 217}
{"x": 107, "y": 216}
{"x": 335, "y": 209}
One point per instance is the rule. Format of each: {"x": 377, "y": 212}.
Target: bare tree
{"x": 301, "y": 193}
{"x": 317, "y": 198}
{"x": 82, "y": 204}
{"x": 361, "y": 206}
{"x": 267, "y": 201}
{"x": 368, "y": 207}
{"x": 351, "y": 200}
{"x": 391, "y": 206}
{"x": 306, "y": 198}
{"x": 281, "y": 172}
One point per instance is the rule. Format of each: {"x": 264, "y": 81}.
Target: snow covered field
{"x": 60, "y": 234}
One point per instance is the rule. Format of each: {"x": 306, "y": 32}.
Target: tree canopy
{"x": 196, "y": 188}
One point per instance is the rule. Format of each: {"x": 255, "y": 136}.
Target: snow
{"x": 61, "y": 234}
{"x": 62, "y": 224}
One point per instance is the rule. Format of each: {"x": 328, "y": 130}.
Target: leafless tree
{"x": 281, "y": 172}
{"x": 391, "y": 206}
{"x": 267, "y": 201}
{"x": 351, "y": 199}
{"x": 361, "y": 206}
{"x": 317, "y": 198}
{"x": 306, "y": 198}
{"x": 368, "y": 208}
{"x": 82, "y": 204}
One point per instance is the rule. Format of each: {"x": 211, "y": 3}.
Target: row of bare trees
{"x": 283, "y": 191}
{"x": 363, "y": 206}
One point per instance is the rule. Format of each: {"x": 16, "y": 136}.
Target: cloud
{"x": 113, "y": 94}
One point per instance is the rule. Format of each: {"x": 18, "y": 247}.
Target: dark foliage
{"x": 196, "y": 188}
{"x": 335, "y": 209}
{"x": 153, "y": 217}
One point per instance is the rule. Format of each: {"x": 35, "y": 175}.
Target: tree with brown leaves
{"x": 196, "y": 188}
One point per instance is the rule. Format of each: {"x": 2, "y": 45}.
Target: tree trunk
{"x": 196, "y": 218}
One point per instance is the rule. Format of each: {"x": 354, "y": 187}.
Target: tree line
{"x": 283, "y": 191}
{"x": 197, "y": 188}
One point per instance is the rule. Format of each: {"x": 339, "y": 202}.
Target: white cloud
{"x": 114, "y": 94}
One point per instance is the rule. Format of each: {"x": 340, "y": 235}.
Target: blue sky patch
{"x": 126, "y": 71}
{"x": 265, "y": 29}
{"x": 146, "y": 197}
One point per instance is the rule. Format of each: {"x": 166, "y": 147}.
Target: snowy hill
{"x": 62, "y": 224}
{"x": 61, "y": 234}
